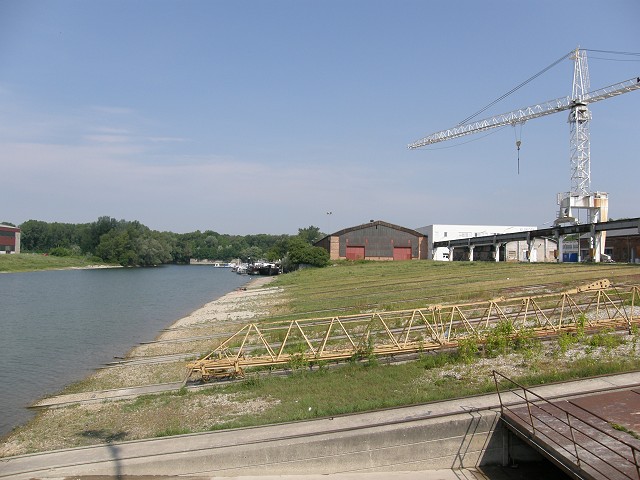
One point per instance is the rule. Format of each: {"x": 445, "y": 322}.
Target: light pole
{"x": 329, "y": 222}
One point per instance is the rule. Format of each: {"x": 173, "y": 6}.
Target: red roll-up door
{"x": 355, "y": 253}
{"x": 402, "y": 253}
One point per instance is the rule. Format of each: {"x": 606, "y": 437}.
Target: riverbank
{"x": 326, "y": 392}
{"x": 158, "y": 362}
{"x": 32, "y": 262}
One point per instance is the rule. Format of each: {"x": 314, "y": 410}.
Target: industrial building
{"x": 9, "y": 239}
{"x": 622, "y": 246}
{"x": 516, "y": 251}
{"x": 376, "y": 240}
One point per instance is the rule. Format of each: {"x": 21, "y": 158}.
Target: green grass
{"x": 358, "y": 388}
{"x": 343, "y": 390}
{"x": 348, "y": 288}
{"x": 27, "y": 262}
{"x": 330, "y": 389}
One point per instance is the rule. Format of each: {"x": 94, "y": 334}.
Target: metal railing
{"x": 579, "y": 441}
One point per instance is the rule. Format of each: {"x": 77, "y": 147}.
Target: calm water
{"x": 56, "y": 327}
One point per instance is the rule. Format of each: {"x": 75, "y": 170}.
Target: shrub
{"x": 606, "y": 338}
{"x": 434, "y": 360}
{"x": 467, "y": 350}
{"x": 499, "y": 340}
{"x": 566, "y": 341}
{"x": 297, "y": 361}
{"x": 60, "y": 252}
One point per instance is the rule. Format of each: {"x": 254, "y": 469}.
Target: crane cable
{"x": 466, "y": 120}
{"x": 518, "y": 140}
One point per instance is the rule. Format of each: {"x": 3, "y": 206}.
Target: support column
{"x": 531, "y": 253}
{"x": 496, "y": 252}
{"x": 595, "y": 244}
{"x": 546, "y": 245}
{"x": 451, "y": 254}
{"x": 560, "y": 241}
{"x": 471, "y": 253}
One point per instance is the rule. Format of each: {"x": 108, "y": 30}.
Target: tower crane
{"x": 580, "y": 196}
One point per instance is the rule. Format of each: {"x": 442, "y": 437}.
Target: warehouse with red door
{"x": 376, "y": 240}
{"x": 9, "y": 239}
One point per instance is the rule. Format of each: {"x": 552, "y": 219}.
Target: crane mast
{"x": 579, "y": 120}
{"x": 580, "y": 196}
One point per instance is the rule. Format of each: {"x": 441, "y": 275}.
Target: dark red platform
{"x": 589, "y": 437}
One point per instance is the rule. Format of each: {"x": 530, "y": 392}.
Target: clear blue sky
{"x": 262, "y": 116}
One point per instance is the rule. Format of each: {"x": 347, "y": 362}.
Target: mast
{"x": 579, "y": 121}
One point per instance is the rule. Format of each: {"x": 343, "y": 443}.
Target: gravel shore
{"x": 159, "y": 362}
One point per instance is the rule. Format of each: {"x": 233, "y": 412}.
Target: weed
{"x": 580, "y": 324}
{"x": 252, "y": 382}
{"x": 622, "y": 428}
{"x": 171, "y": 431}
{"x": 297, "y": 361}
{"x": 635, "y": 333}
{"x": 498, "y": 340}
{"x": 182, "y": 391}
{"x": 433, "y": 360}
{"x": 365, "y": 351}
{"x": 606, "y": 338}
{"x": 526, "y": 340}
{"x": 467, "y": 350}
{"x": 140, "y": 403}
{"x": 566, "y": 340}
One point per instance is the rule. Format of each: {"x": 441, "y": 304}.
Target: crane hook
{"x": 518, "y": 135}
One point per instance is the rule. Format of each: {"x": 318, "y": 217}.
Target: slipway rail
{"x": 297, "y": 343}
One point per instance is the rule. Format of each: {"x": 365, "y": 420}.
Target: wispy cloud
{"x": 113, "y": 110}
{"x": 167, "y": 139}
{"x": 108, "y": 138}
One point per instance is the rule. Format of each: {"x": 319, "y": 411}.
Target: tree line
{"x": 130, "y": 243}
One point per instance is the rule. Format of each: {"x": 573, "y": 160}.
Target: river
{"x": 56, "y": 327}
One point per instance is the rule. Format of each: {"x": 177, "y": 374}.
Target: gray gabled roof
{"x": 373, "y": 224}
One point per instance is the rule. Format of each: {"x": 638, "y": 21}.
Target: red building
{"x": 9, "y": 239}
{"x": 375, "y": 240}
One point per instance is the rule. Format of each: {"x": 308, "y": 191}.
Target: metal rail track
{"x": 283, "y": 344}
{"x": 339, "y": 293}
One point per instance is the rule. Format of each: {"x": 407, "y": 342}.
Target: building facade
{"x": 512, "y": 251}
{"x": 376, "y": 240}
{"x": 9, "y": 239}
{"x": 622, "y": 246}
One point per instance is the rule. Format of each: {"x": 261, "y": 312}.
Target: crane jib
{"x": 528, "y": 113}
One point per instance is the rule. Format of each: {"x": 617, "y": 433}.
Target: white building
{"x": 515, "y": 251}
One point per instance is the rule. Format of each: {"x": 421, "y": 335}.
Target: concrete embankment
{"x": 456, "y": 434}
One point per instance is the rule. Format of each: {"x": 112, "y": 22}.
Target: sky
{"x": 248, "y": 117}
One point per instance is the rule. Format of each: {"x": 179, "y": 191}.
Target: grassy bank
{"x": 27, "y": 262}
{"x": 348, "y": 288}
{"x": 353, "y": 387}
{"x": 304, "y": 395}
